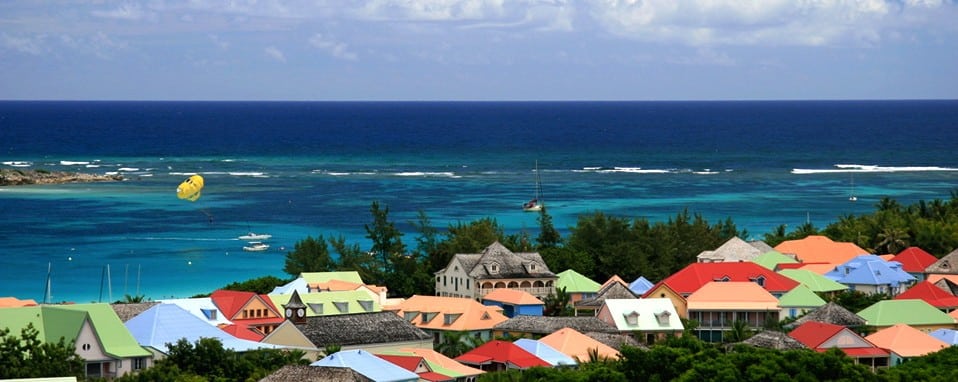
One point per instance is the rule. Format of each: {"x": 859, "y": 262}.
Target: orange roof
{"x": 577, "y": 345}
{"x": 614, "y": 278}
{"x": 732, "y": 295}
{"x": 449, "y": 313}
{"x": 820, "y": 249}
{"x": 13, "y": 302}
{"x": 954, "y": 314}
{"x": 887, "y": 257}
{"x": 512, "y": 296}
{"x": 906, "y": 341}
{"x": 443, "y": 361}
{"x": 935, "y": 278}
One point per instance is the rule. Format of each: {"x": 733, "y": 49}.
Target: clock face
{"x": 289, "y": 312}
{"x": 300, "y": 312}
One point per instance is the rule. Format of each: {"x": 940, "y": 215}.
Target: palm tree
{"x": 456, "y": 343}
{"x": 892, "y": 240}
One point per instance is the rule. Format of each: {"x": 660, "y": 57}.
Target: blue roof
{"x": 948, "y": 336}
{"x": 640, "y": 285}
{"x": 367, "y": 364}
{"x": 870, "y": 270}
{"x": 299, "y": 285}
{"x": 545, "y": 352}
{"x": 168, "y": 323}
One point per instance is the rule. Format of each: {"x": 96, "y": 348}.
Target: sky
{"x": 484, "y": 50}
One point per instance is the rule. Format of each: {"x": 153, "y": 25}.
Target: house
{"x": 287, "y": 335}
{"x": 439, "y": 363}
{"x": 203, "y": 308}
{"x": 475, "y": 275}
{"x": 545, "y": 352}
{"x": 331, "y": 303}
{"x": 497, "y": 355}
{"x": 612, "y": 289}
{"x": 576, "y": 285}
{"x": 13, "y": 302}
{"x": 375, "y": 332}
{"x": 306, "y": 373}
{"x": 416, "y": 364}
{"x": 165, "y": 324}
{"x": 799, "y": 301}
{"x": 905, "y": 342}
{"x": 640, "y": 286}
{"x": 733, "y": 250}
{"x": 126, "y": 311}
{"x": 718, "y": 305}
{"x": 820, "y": 337}
{"x": 915, "y": 313}
{"x": 871, "y": 274}
{"x": 948, "y": 336}
{"x": 771, "y": 339}
{"x": 578, "y": 346}
{"x": 514, "y": 302}
{"x": 437, "y": 315}
{"x": 368, "y": 365}
{"x": 820, "y": 249}
{"x": 947, "y": 285}
{"x": 97, "y": 334}
{"x": 538, "y": 326}
{"x": 772, "y": 259}
{"x": 946, "y": 265}
{"x": 931, "y": 294}
{"x": 832, "y": 313}
{"x": 651, "y": 319}
{"x": 915, "y": 260}
{"x": 814, "y": 281}
{"x": 248, "y": 309}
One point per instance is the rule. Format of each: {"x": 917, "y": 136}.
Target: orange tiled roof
{"x": 820, "y": 249}
{"x": 570, "y": 342}
{"x": 448, "y": 313}
{"x": 742, "y": 295}
{"x": 906, "y": 341}
{"x": 512, "y": 296}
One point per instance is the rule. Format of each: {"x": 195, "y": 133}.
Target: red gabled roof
{"x": 230, "y": 302}
{"x": 932, "y": 294}
{"x": 503, "y": 352}
{"x": 861, "y": 352}
{"x": 694, "y": 276}
{"x": 243, "y": 331}
{"x": 408, "y": 362}
{"x": 814, "y": 333}
{"x": 914, "y": 259}
{"x": 435, "y": 377}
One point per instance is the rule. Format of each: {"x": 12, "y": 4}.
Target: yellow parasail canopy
{"x": 190, "y": 188}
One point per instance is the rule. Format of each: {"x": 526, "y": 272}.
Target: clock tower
{"x": 295, "y": 309}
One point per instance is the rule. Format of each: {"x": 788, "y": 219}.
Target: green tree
{"x": 558, "y": 303}
{"x": 386, "y": 239}
{"x": 351, "y": 258}
{"x": 457, "y": 343}
{"x": 28, "y": 356}
{"x": 549, "y": 236}
{"x": 259, "y": 285}
{"x": 309, "y": 255}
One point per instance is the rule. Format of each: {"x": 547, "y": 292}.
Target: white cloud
{"x": 334, "y": 48}
{"x": 431, "y": 10}
{"x": 30, "y": 45}
{"x": 129, "y": 12}
{"x": 216, "y": 40}
{"x": 274, "y": 53}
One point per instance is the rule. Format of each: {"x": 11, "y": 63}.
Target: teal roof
{"x": 909, "y": 312}
{"x": 814, "y": 281}
{"x": 800, "y": 297}
{"x": 329, "y": 303}
{"x": 56, "y": 321}
{"x": 574, "y": 282}
{"x": 771, "y": 259}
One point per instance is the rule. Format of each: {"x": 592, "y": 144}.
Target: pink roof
{"x": 504, "y": 352}
{"x": 512, "y": 296}
{"x": 914, "y": 259}
{"x": 741, "y": 295}
{"x": 906, "y": 341}
{"x": 937, "y": 277}
{"x": 696, "y": 275}
{"x": 614, "y": 278}
{"x": 570, "y": 342}
{"x": 820, "y": 249}
{"x": 931, "y": 294}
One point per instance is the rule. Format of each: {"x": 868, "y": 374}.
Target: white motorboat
{"x": 256, "y": 246}
{"x": 252, "y": 236}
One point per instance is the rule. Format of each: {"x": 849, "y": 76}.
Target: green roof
{"x": 114, "y": 336}
{"x": 325, "y": 277}
{"x": 814, "y": 281}
{"x": 800, "y": 296}
{"x": 329, "y": 302}
{"x": 56, "y": 321}
{"x": 574, "y": 282}
{"x": 909, "y": 312}
{"x": 51, "y": 324}
{"x": 771, "y": 259}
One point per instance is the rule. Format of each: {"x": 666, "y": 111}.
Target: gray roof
{"x": 128, "y": 311}
{"x": 305, "y": 373}
{"x": 360, "y": 329}
{"x": 774, "y": 340}
{"x": 761, "y": 245}
{"x": 613, "y": 290}
{"x": 734, "y": 250}
{"x": 947, "y": 286}
{"x": 548, "y": 325}
{"x": 497, "y": 262}
{"x": 615, "y": 340}
{"x": 831, "y": 313}
{"x": 948, "y": 264}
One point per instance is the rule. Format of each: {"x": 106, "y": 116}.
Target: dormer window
{"x": 663, "y": 317}
{"x": 316, "y": 307}
{"x": 428, "y": 316}
{"x": 449, "y": 318}
{"x": 209, "y": 313}
{"x": 760, "y": 280}
{"x": 493, "y": 268}
{"x": 411, "y": 315}
{"x": 723, "y": 279}
{"x": 631, "y": 318}
{"x": 367, "y": 305}
{"x": 342, "y": 306}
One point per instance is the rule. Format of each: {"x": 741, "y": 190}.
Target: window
{"x": 367, "y": 305}
{"x": 449, "y": 318}
{"x": 631, "y": 318}
{"x": 760, "y": 280}
{"x": 209, "y": 313}
{"x": 342, "y": 306}
{"x": 85, "y": 347}
{"x": 317, "y": 307}
{"x": 663, "y": 317}
{"x": 428, "y": 316}
{"x": 139, "y": 363}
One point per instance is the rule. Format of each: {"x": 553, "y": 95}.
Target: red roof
{"x": 932, "y": 294}
{"x": 408, "y": 362}
{"x": 813, "y": 333}
{"x": 914, "y": 259}
{"x": 502, "y": 352}
{"x": 861, "y": 352}
{"x": 435, "y": 377}
{"x": 230, "y": 302}
{"x": 694, "y": 276}
{"x": 243, "y": 331}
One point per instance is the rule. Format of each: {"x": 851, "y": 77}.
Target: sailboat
{"x": 535, "y": 204}
{"x": 853, "y": 198}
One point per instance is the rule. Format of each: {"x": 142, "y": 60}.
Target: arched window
{"x": 537, "y": 284}
{"x": 525, "y": 284}
{"x": 549, "y": 284}
{"x": 500, "y": 285}
{"x": 513, "y": 284}
{"x": 487, "y": 285}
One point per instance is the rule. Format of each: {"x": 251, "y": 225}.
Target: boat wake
{"x": 852, "y": 168}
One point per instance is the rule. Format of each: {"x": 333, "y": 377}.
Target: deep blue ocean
{"x": 294, "y": 169}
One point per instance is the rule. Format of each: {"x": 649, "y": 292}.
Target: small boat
{"x": 535, "y": 204}
{"x": 255, "y": 236}
{"x": 256, "y": 246}
{"x": 853, "y": 198}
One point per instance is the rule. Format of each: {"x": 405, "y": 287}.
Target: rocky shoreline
{"x": 15, "y": 177}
